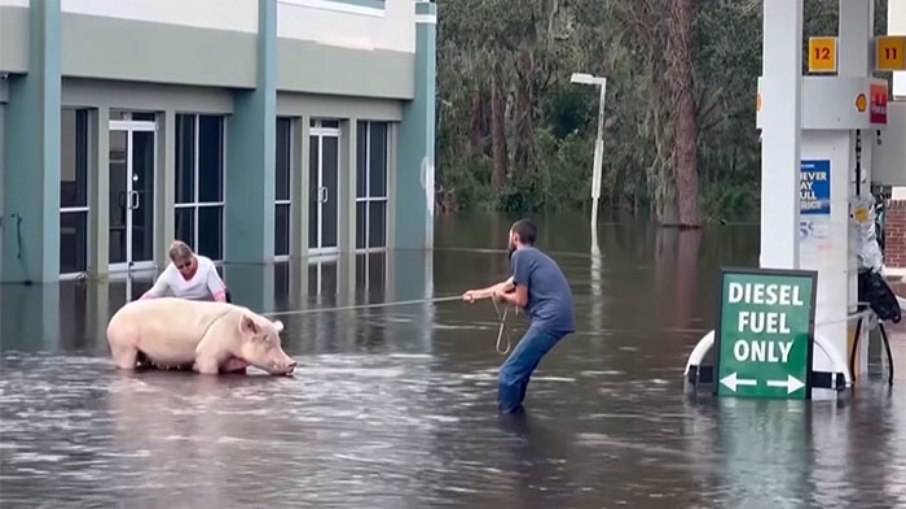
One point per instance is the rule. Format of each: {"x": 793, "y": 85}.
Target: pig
{"x": 209, "y": 337}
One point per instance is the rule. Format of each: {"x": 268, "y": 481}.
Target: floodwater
{"x": 395, "y": 407}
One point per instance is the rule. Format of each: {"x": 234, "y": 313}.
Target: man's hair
{"x": 526, "y": 230}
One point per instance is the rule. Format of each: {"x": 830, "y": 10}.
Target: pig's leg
{"x": 207, "y": 365}
{"x": 124, "y": 355}
{"x": 234, "y": 365}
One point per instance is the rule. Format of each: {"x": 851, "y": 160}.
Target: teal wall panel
{"x": 14, "y": 45}
{"x": 123, "y": 49}
{"x": 251, "y": 158}
{"x": 414, "y": 224}
{"x": 31, "y": 185}
{"x": 305, "y": 66}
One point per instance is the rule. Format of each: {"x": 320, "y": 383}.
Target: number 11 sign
{"x": 890, "y": 53}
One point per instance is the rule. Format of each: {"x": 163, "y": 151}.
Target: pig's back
{"x": 166, "y": 329}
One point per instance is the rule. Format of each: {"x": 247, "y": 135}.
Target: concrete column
{"x": 297, "y": 190}
{"x": 347, "y": 184}
{"x": 301, "y": 200}
{"x": 99, "y": 194}
{"x": 781, "y": 94}
{"x": 414, "y": 217}
{"x": 393, "y": 158}
{"x": 31, "y": 225}
{"x": 251, "y": 285}
{"x": 2, "y": 164}
{"x": 251, "y": 160}
{"x": 165, "y": 199}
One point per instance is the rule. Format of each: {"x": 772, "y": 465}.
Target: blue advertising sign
{"x": 814, "y": 187}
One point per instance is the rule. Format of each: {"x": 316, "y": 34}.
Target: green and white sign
{"x": 765, "y": 333}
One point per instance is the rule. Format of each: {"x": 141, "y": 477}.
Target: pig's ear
{"x": 279, "y": 325}
{"x": 247, "y": 325}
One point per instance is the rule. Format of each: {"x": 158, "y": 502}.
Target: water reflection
{"x": 396, "y": 406}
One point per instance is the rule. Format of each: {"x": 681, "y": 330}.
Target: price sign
{"x": 822, "y": 54}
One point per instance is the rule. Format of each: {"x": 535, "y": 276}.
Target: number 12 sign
{"x": 822, "y": 54}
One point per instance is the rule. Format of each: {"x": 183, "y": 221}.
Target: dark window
{"x": 283, "y": 158}
{"x": 281, "y": 230}
{"x": 200, "y": 194}
{"x": 185, "y": 225}
{"x": 371, "y": 185}
{"x": 377, "y": 176}
{"x": 361, "y": 208}
{"x": 210, "y": 228}
{"x": 210, "y": 159}
{"x": 73, "y": 191}
{"x": 361, "y": 177}
{"x": 74, "y": 159}
{"x": 185, "y": 159}
{"x": 73, "y": 242}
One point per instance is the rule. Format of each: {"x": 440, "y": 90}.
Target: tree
{"x": 685, "y": 139}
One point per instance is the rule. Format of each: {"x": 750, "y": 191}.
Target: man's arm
{"x": 484, "y": 293}
{"x": 518, "y": 298}
{"x": 522, "y": 270}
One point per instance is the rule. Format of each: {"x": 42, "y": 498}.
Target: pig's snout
{"x": 285, "y": 367}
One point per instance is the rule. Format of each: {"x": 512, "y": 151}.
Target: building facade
{"x": 261, "y": 131}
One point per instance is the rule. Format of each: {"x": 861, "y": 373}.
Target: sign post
{"x": 765, "y": 333}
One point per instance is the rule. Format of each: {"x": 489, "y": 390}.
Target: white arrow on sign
{"x": 791, "y": 383}
{"x": 731, "y": 381}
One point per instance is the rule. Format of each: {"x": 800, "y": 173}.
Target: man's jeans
{"x": 518, "y": 368}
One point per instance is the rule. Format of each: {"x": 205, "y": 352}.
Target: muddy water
{"x": 395, "y": 407}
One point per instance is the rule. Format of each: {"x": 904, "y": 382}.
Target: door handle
{"x": 323, "y": 195}
{"x": 134, "y": 200}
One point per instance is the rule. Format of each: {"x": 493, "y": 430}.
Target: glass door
{"x": 132, "y": 162}
{"x": 324, "y": 188}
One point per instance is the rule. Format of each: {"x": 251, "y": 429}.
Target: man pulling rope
{"x": 540, "y": 287}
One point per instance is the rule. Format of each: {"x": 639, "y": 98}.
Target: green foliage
{"x": 536, "y": 46}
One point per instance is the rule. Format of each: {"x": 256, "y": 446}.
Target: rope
{"x": 362, "y": 306}
{"x": 500, "y": 332}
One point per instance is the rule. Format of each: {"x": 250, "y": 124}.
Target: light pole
{"x": 588, "y": 79}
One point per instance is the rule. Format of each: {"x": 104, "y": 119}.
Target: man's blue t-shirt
{"x": 550, "y": 300}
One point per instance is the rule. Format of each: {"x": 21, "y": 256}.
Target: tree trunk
{"x": 685, "y": 147}
{"x": 524, "y": 105}
{"x": 498, "y": 131}
{"x": 480, "y": 123}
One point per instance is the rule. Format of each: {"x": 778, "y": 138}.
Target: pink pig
{"x": 210, "y": 337}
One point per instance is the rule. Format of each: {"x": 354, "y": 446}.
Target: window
{"x": 73, "y": 191}
{"x": 283, "y": 193}
{"x": 199, "y": 183}
{"x": 371, "y": 186}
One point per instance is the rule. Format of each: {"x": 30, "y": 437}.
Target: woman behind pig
{"x": 189, "y": 276}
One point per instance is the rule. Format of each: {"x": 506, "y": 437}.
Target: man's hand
{"x": 469, "y": 296}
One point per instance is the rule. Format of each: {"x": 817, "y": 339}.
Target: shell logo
{"x": 861, "y": 103}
